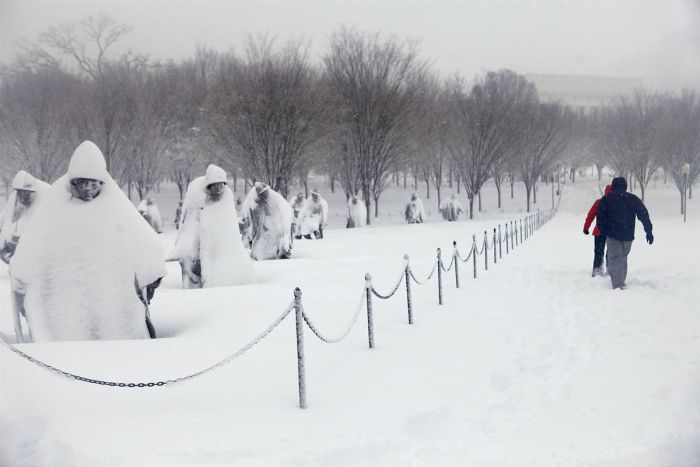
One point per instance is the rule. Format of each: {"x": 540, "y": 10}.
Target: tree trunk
{"x": 306, "y": 186}
{"x": 471, "y": 207}
{"x": 665, "y": 175}
{"x": 458, "y": 183}
{"x": 450, "y": 178}
{"x": 528, "y": 189}
{"x": 235, "y": 182}
{"x": 534, "y": 195}
{"x": 498, "y": 190}
{"x": 643, "y": 189}
{"x": 690, "y": 191}
{"x": 415, "y": 182}
{"x": 332, "y": 184}
{"x": 376, "y": 207}
{"x": 437, "y": 189}
{"x": 427, "y": 189}
{"x": 512, "y": 183}
{"x": 573, "y": 177}
{"x": 365, "y": 196}
{"x": 404, "y": 180}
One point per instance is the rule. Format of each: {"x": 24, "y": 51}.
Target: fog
{"x": 655, "y": 41}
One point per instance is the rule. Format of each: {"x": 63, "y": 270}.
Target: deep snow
{"x": 533, "y": 363}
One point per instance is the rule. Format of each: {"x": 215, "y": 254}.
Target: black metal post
{"x": 370, "y": 321}
{"x": 456, "y": 262}
{"x": 474, "y": 253}
{"x": 495, "y": 256}
{"x": 408, "y": 291}
{"x": 439, "y": 271}
{"x": 301, "y": 369}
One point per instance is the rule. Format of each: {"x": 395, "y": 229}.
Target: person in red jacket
{"x": 598, "y": 237}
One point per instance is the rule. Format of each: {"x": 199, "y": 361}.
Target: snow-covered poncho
{"x": 80, "y": 263}
{"x": 451, "y": 209}
{"x": 313, "y": 216}
{"x": 268, "y": 224}
{"x": 15, "y": 216}
{"x": 149, "y": 210}
{"x": 208, "y": 243}
{"x": 357, "y": 213}
{"x": 296, "y": 202}
{"x": 414, "y": 212}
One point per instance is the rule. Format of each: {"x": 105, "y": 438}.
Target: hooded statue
{"x": 26, "y": 194}
{"x": 451, "y": 208}
{"x": 357, "y": 213}
{"x": 149, "y": 210}
{"x": 88, "y": 262}
{"x": 208, "y": 244}
{"x": 267, "y": 223}
{"x": 313, "y": 216}
{"x": 414, "y": 212}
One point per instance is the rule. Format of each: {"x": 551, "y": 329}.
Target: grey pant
{"x": 617, "y": 260}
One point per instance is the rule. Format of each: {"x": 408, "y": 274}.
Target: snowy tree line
{"x": 371, "y": 110}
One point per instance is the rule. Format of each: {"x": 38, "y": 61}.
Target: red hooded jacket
{"x": 592, "y": 213}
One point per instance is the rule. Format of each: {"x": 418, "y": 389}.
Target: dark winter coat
{"x": 592, "y": 213}
{"x": 617, "y": 213}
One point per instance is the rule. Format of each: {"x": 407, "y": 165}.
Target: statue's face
{"x": 414, "y": 197}
{"x": 215, "y": 190}
{"x": 315, "y": 197}
{"x": 86, "y": 189}
{"x": 25, "y": 197}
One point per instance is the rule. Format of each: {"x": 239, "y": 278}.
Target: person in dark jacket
{"x": 598, "y": 239}
{"x": 616, "y": 220}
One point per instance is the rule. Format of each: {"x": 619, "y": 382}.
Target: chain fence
{"x": 512, "y": 230}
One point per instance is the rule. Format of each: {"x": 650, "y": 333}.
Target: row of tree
{"x": 370, "y": 109}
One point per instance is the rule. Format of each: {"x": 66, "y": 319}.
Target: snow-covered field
{"x": 534, "y": 363}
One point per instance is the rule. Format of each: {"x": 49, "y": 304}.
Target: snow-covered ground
{"x": 534, "y": 363}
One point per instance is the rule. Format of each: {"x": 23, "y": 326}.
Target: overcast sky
{"x": 657, "y": 41}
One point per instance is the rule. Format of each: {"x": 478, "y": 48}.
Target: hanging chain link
{"x": 430, "y": 275}
{"x": 348, "y": 327}
{"x": 150, "y": 384}
{"x": 391, "y": 294}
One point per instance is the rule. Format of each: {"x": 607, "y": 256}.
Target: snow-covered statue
{"x": 149, "y": 210}
{"x": 414, "y": 212}
{"x": 313, "y": 216}
{"x": 88, "y": 263}
{"x": 267, "y": 224}
{"x": 296, "y": 202}
{"x": 21, "y": 205}
{"x": 208, "y": 244}
{"x": 357, "y": 213}
{"x": 451, "y": 208}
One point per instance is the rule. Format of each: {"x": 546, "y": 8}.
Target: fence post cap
{"x": 368, "y": 277}
{"x": 297, "y": 293}
{"x": 439, "y": 252}
{"x": 474, "y": 237}
{"x": 454, "y": 243}
{"x": 405, "y": 257}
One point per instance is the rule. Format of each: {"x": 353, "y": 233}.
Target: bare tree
{"x": 376, "y": 85}
{"x": 267, "y": 111}
{"x": 681, "y": 138}
{"x": 484, "y": 125}
{"x": 634, "y": 136}
{"x": 36, "y": 109}
{"x": 544, "y": 138}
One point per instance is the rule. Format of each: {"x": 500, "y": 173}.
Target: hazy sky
{"x": 657, "y": 41}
